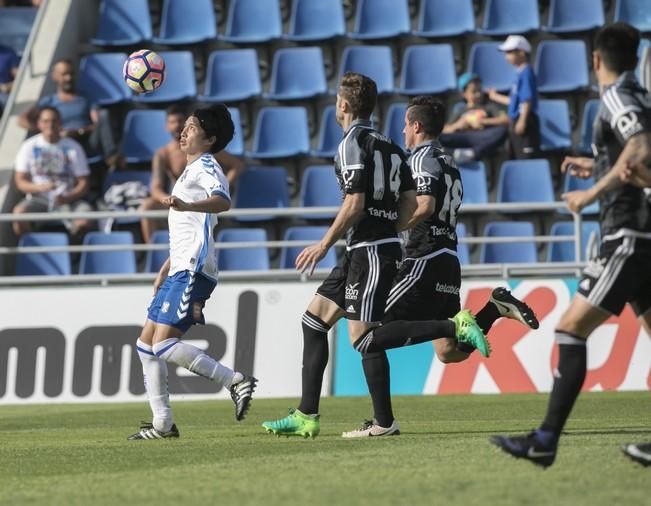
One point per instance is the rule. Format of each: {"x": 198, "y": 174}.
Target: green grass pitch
{"x": 78, "y": 454}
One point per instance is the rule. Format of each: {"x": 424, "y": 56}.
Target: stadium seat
{"x": 180, "y": 82}
{"x": 500, "y": 17}
{"x": 375, "y": 62}
{"x": 319, "y": 188}
{"x": 144, "y": 133}
{"x": 315, "y": 20}
{"x": 561, "y": 66}
{"x": 45, "y": 263}
{"x": 525, "y": 181}
{"x": 100, "y": 78}
{"x": 571, "y": 183}
{"x": 445, "y": 18}
{"x": 634, "y": 12}
{"x": 473, "y": 177}
{"x": 288, "y": 254}
{"x": 297, "y": 73}
{"x": 123, "y": 23}
{"x": 108, "y": 262}
{"x": 330, "y": 134}
{"x": 509, "y": 252}
{"x": 243, "y": 259}
{"x": 156, "y": 258}
{"x": 232, "y": 75}
{"x": 421, "y": 77}
{"x": 15, "y": 26}
{"x": 487, "y": 61}
{"x": 394, "y": 123}
{"x": 260, "y": 187}
{"x": 587, "y": 121}
{"x": 381, "y": 19}
{"x": 236, "y": 146}
{"x": 555, "y": 128}
{"x": 571, "y": 16}
{"x": 463, "y": 252}
{"x": 253, "y": 21}
{"x": 184, "y": 22}
{"x": 564, "y": 251}
{"x": 281, "y": 132}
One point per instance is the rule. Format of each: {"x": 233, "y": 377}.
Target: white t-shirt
{"x": 61, "y": 162}
{"x": 192, "y": 245}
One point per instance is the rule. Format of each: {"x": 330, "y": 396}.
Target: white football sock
{"x": 154, "y": 371}
{"x": 194, "y": 360}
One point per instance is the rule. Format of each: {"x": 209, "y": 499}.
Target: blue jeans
{"x": 482, "y": 142}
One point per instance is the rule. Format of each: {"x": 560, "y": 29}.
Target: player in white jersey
{"x": 189, "y": 276}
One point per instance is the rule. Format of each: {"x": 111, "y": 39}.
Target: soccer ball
{"x": 144, "y": 71}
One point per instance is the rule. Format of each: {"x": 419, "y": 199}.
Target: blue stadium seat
{"x": 463, "y": 252}
{"x": 487, "y": 61}
{"x": 634, "y": 12}
{"x": 381, "y": 19}
{"x": 236, "y": 146}
{"x": 564, "y": 251}
{"x": 180, "y": 82}
{"x": 297, "y": 73}
{"x": 587, "y": 121}
{"x": 571, "y": 183}
{"x": 232, "y": 75}
{"x": 420, "y": 77}
{"x": 108, "y": 262}
{"x": 473, "y": 177}
{"x": 156, "y": 258}
{"x": 319, "y": 188}
{"x": 288, "y": 254}
{"x": 500, "y": 17}
{"x": 46, "y": 263}
{"x": 252, "y": 21}
{"x": 15, "y": 26}
{"x": 509, "y": 252}
{"x": 330, "y": 134}
{"x": 525, "y": 181}
{"x": 144, "y": 132}
{"x": 394, "y": 123}
{"x": 445, "y": 18}
{"x": 375, "y": 62}
{"x": 243, "y": 259}
{"x": 184, "y": 22}
{"x": 100, "y": 78}
{"x": 555, "y": 128}
{"x": 123, "y": 23}
{"x": 314, "y": 20}
{"x": 561, "y": 66}
{"x": 571, "y": 16}
{"x": 281, "y": 132}
{"x": 260, "y": 187}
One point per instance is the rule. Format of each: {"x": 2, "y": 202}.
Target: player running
{"x": 189, "y": 276}
{"x": 621, "y": 273}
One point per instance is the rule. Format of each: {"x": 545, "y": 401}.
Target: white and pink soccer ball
{"x": 144, "y": 71}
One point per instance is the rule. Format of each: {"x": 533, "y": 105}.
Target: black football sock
{"x": 400, "y": 333}
{"x": 315, "y": 359}
{"x": 487, "y": 316}
{"x": 376, "y": 370}
{"x": 568, "y": 380}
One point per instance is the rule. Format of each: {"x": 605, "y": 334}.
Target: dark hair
{"x": 617, "y": 44}
{"x": 360, "y": 92}
{"x": 216, "y": 121}
{"x": 176, "y": 109}
{"x": 67, "y": 61}
{"x": 429, "y": 112}
{"x": 41, "y": 110}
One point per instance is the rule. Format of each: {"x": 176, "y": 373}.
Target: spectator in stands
{"x": 9, "y": 62}
{"x": 479, "y": 127}
{"x": 52, "y": 172}
{"x": 524, "y": 130}
{"x": 169, "y": 163}
{"x": 82, "y": 120}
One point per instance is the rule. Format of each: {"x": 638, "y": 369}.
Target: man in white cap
{"x": 522, "y": 102}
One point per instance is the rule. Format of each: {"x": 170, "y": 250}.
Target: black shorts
{"x": 361, "y": 281}
{"x": 621, "y": 274}
{"x": 426, "y": 288}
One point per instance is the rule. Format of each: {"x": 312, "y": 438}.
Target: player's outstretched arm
{"x": 214, "y": 204}
{"x": 637, "y": 174}
{"x": 162, "y": 274}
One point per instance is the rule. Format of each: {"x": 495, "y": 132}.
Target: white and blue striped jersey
{"x": 192, "y": 245}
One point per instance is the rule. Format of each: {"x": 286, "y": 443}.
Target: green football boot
{"x": 469, "y": 332}
{"x": 294, "y": 424}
